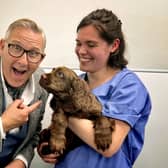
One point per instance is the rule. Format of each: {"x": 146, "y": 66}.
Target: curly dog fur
{"x": 72, "y": 97}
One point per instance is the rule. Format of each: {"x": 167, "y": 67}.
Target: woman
{"x": 100, "y": 49}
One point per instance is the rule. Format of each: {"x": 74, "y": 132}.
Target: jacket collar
{"x": 28, "y": 93}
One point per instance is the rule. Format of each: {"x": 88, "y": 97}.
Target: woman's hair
{"x": 109, "y": 28}
{"x": 27, "y": 24}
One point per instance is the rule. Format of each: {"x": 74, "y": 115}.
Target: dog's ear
{"x": 78, "y": 86}
{"x": 79, "y": 93}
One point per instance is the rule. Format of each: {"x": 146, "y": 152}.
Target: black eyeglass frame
{"x": 24, "y": 51}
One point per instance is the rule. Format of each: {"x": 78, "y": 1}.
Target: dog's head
{"x": 60, "y": 80}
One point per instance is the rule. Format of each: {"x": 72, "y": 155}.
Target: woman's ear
{"x": 115, "y": 45}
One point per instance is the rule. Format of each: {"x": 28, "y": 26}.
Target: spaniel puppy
{"x": 72, "y": 97}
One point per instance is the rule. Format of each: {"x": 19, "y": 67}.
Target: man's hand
{"x": 17, "y": 114}
{"x": 50, "y": 158}
{"x": 16, "y": 164}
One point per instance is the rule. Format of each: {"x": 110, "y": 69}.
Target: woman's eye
{"x": 78, "y": 44}
{"x": 91, "y": 44}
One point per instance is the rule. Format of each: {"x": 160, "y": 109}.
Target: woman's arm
{"x": 84, "y": 129}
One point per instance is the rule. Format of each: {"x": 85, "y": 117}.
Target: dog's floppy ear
{"x": 79, "y": 86}
{"x": 79, "y": 93}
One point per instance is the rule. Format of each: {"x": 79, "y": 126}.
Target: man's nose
{"x": 23, "y": 59}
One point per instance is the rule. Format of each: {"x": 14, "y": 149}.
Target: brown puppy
{"x": 72, "y": 97}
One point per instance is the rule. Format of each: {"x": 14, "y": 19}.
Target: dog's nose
{"x": 44, "y": 80}
{"x": 44, "y": 76}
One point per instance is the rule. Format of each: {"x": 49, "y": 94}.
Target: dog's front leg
{"x": 103, "y": 132}
{"x": 58, "y": 127}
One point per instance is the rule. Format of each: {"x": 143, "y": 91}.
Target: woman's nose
{"x": 82, "y": 50}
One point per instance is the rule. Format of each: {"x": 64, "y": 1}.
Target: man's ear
{"x": 2, "y": 45}
{"x": 115, "y": 45}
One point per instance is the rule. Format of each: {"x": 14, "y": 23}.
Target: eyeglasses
{"x": 17, "y": 51}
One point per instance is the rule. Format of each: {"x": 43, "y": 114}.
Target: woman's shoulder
{"x": 125, "y": 79}
{"x": 128, "y": 75}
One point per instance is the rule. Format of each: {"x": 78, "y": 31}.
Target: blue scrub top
{"x": 125, "y": 98}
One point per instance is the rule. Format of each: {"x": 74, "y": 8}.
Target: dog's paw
{"x": 103, "y": 140}
{"x": 58, "y": 145}
{"x": 103, "y": 133}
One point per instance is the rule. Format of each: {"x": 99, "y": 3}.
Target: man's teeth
{"x": 19, "y": 71}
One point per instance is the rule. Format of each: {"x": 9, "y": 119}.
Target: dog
{"x": 72, "y": 97}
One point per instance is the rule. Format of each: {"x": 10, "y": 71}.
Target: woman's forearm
{"x": 84, "y": 129}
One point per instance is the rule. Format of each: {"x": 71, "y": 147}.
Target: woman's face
{"x": 92, "y": 50}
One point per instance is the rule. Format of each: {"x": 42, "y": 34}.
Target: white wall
{"x": 155, "y": 152}
{"x": 145, "y": 25}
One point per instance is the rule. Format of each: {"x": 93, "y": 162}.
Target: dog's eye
{"x": 60, "y": 74}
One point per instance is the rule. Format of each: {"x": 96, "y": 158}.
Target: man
{"x": 22, "y": 100}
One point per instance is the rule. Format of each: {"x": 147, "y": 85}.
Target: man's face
{"x": 17, "y": 71}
